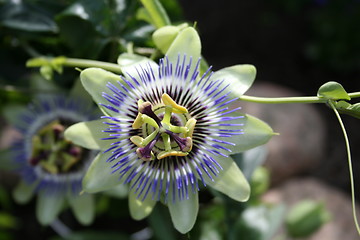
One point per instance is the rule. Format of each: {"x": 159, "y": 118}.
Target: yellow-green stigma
{"x": 166, "y": 128}
{"x": 52, "y": 152}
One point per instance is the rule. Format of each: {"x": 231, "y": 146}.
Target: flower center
{"x": 53, "y": 152}
{"x": 167, "y": 130}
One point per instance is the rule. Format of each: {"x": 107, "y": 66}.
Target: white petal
{"x": 184, "y": 213}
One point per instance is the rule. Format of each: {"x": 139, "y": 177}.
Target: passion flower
{"x": 167, "y": 129}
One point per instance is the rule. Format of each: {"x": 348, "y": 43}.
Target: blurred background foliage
{"x": 284, "y": 38}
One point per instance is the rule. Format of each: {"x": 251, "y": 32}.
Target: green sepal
{"x": 78, "y": 92}
{"x": 83, "y": 207}
{"x": 230, "y": 181}
{"x": 239, "y": 77}
{"x": 139, "y": 208}
{"x": 94, "y": 81}
{"x": 188, "y": 43}
{"x": 99, "y": 177}
{"x": 11, "y": 112}
{"x": 120, "y": 191}
{"x": 48, "y": 207}
{"x": 7, "y": 160}
{"x": 256, "y": 133}
{"x": 347, "y": 108}
{"x": 41, "y": 85}
{"x": 184, "y": 212}
{"x": 23, "y": 192}
{"x": 333, "y": 91}
{"x": 130, "y": 63}
{"x": 164, "y": 37}
{"x": 88, "y": 134}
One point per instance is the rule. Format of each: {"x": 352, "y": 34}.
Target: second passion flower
{"x": 167, "y": 129}
{"x": 51, "y": 166}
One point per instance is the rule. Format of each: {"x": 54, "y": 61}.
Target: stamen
{"x": 52, "y": 152}
{"x": 165, "y": 154}
{"x": 190, "y": 125}
{"x": 145, "y": 153}
{"x": 138, "y": 122}
{"x": 137, "y": 140}
{"x": 151, "y": 121}
{"x": 181, "y": 135}
{"x": 167, "y": 100}
{"x": 146, "y": 108}
{"x": 185, "y": 144}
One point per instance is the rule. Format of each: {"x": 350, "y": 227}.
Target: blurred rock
{"x": 8, "y": 135}
{"x": 341, "y": 226}
{"x": 300, "y": 145}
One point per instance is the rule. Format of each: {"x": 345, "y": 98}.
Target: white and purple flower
{"x": 51, "y": 166}
{"x": 166, "y": 130}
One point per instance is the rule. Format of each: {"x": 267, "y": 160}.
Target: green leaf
{"x": 305, "y": 218}
{"x": 157, "y": 13}
{"x": 184, "y": 213}
{"x": 7, "y": 221}
{"x": 143, "y": 14}
{"x": 140, "y": 209}
{"x": 99, "y": 177}
{"x": 238, "y": 77}
{"x": 5, "y": 201}
{"x": 260, "y": 223}
{"x": 94, "y": 235}
{"x": 48, "y": 207}
{"x": 88, "y": 134}
{"x": 81, "y": 41}
{"x": 107, "y": 17}
{"x": 260, "y": 182}
{"x": 83, "y": 207}
{"x": 47, "y": 72}
{"x": 24, "y": 16}
{"x": 37, "y": 62}
{"x": 139, "y": 34}
{"x": 333, "y": 91}
{"x": 349, "y": 109}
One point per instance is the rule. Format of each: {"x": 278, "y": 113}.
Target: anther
{"x": 146, "y": 108}
{"x": 168, "y": 101}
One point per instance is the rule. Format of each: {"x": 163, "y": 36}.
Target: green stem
{"x": 275, "y": 100}
{"x": 331, "y": 103}
{"x": 85, "y": 63}
{"x": 354, "y": 95}
{"x": 282, "y": 99}
{"x": 157, "y": 13}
